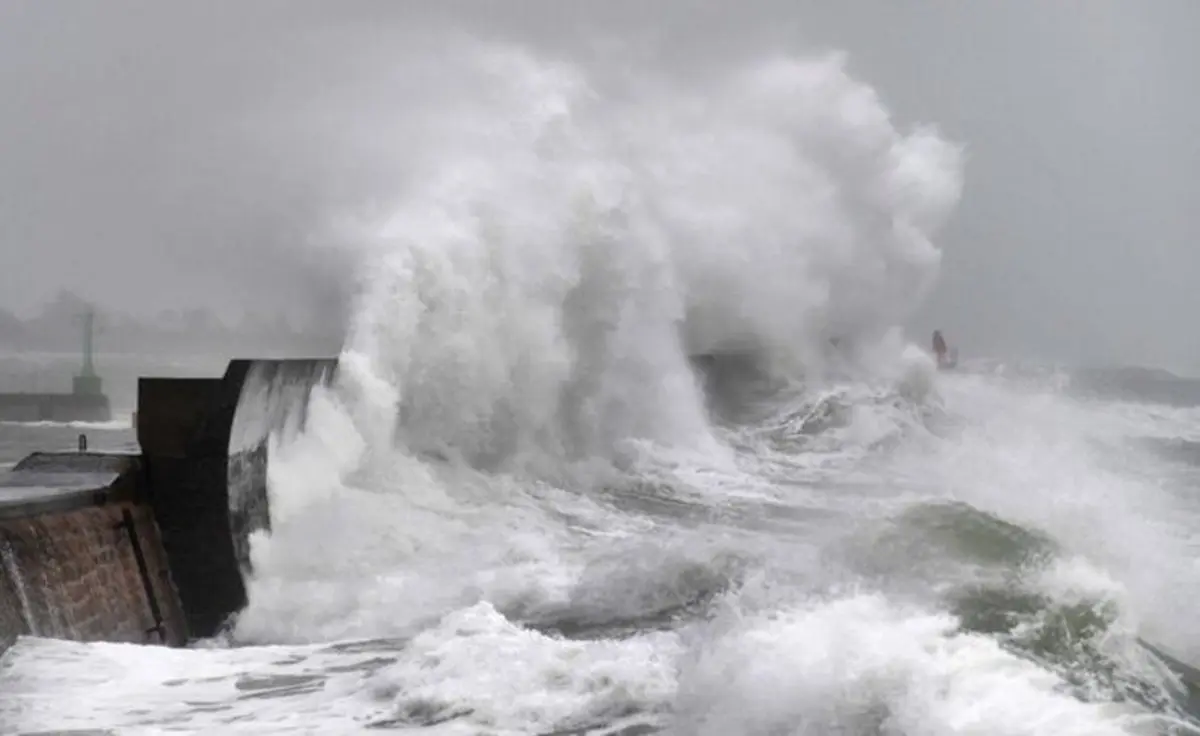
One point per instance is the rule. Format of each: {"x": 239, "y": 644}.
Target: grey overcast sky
{"x": 175, "y": 154}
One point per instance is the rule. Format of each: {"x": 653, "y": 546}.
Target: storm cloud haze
{"x": 157, "y": 156}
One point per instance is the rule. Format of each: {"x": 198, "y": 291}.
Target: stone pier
{"x": 152, "y": 547}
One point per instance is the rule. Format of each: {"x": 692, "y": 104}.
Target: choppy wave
{"x": 906, "y": 586}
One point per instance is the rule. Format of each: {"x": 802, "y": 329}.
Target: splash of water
{"x": 538, "y": 297}
{"x": 528, "y": 309}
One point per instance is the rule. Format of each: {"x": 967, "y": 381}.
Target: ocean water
{"x": 626, "y": 439}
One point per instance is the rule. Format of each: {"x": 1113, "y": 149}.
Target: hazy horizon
{"x": 166, "y": 157}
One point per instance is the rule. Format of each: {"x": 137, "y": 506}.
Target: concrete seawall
{"x": 79, "y": 557}
{"x": 153, "y": 547}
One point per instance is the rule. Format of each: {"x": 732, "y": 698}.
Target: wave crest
{"x": 537, "y": 296}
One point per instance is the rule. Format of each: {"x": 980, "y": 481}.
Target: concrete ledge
{"x": 47, "y": 482}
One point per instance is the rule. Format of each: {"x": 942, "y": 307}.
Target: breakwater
{"x": 150, "y": 547}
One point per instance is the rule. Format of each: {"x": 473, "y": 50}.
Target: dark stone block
{"x": 205, "y": 453}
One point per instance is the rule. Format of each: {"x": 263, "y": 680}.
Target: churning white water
{"x": 626, "y": 439}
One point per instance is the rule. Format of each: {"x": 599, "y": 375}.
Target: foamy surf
{"x": 857, "y": 664}
{"x": 902, "y": 604}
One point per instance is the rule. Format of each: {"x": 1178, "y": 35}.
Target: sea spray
{"x": 536, "y": 299}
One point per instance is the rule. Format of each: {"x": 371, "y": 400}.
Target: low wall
{"x": 74, "y": 575}
{"x": 79, "y": 558}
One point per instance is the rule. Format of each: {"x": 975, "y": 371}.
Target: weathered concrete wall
{"x": 186, "y": 487}
{"x": 80, "y": 558}
{"x": 74, "y": 575}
